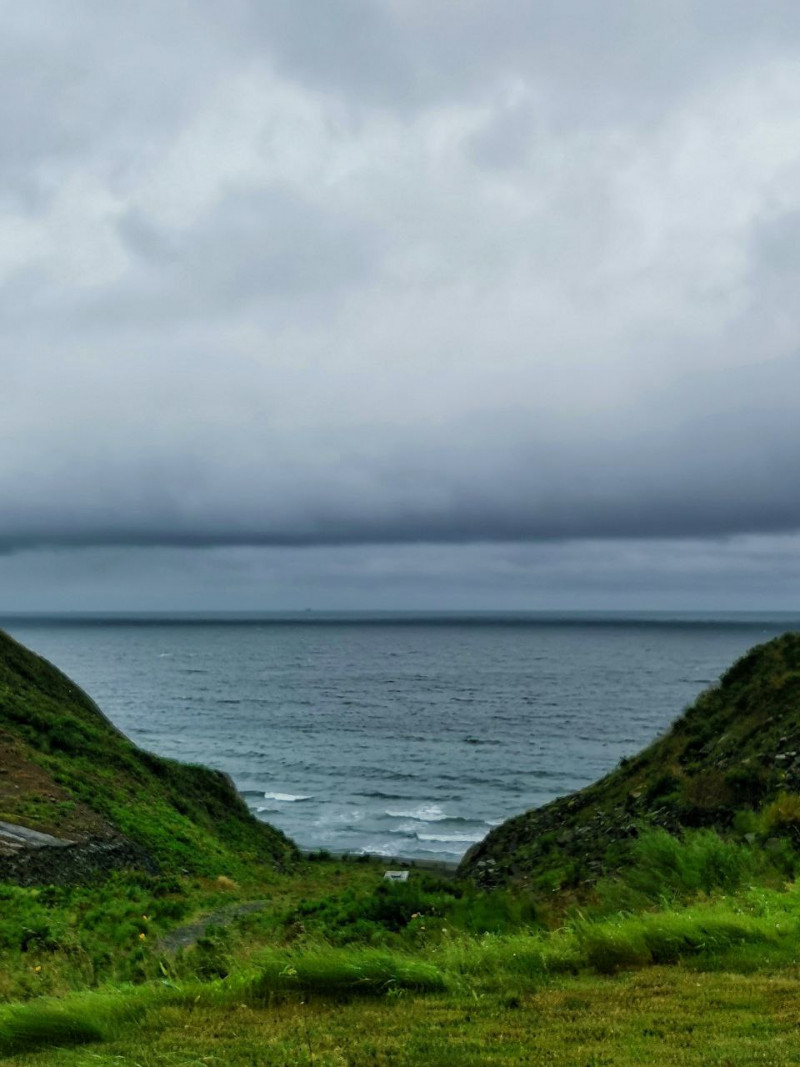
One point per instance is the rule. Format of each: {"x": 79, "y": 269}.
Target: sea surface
{"x": 399, "y": 735}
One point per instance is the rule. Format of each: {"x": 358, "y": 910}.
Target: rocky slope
{"x": 67, "y": 772}
{"x": 734, "y": 751}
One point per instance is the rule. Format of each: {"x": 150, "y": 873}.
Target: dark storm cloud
{"x": 717, "y": 472}
{"x": 760, "y": 573}
{"x": 350, "y": 272}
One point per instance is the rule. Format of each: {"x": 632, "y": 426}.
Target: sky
{"x": 399, "y": 304}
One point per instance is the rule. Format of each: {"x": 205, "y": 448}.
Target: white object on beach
{"x": 395, "y": 876}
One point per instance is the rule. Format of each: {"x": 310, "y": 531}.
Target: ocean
{"x": 398, "y": 735}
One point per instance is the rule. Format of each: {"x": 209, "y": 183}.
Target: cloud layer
{"x": 372, "y": 271}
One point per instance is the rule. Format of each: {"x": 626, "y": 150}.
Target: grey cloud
{"x": 398, "y": 272}
{"x": 263, "y": 245}
{"x": 760, "y": 573}
{"x": 610, "y": 62}
{"x": 102, "y": 85}
{"x": 350, "y": 46}
{"x": 507, "y": 140}
{"x": 775, "y": 265}
{"x": 727, "y": 467}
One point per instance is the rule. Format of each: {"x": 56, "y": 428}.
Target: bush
{"x": 347, "y": 918}
{"x": 669, "y": 867}
{"x": 783, "y": 814}
{"x": 749, "y": 784}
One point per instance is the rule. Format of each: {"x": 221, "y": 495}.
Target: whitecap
{"x": 288, "y": 798}
{"x": 425, "y": 813}
{"x": 377, "y": 850}
{"x": 465, "y": 839}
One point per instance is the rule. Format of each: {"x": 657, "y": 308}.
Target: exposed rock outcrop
{"x": 28, "y": 857}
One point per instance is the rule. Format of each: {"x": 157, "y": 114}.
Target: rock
{"x": 71, "y": 862}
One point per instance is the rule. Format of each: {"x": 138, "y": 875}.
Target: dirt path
{"x": 186, "y": 936}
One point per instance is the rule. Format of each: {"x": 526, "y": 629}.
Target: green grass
{"x": 667, "y": 1016}
{"x": 711, "y": 975}
{"x": 53, "y": 940}
{"x": 332, "y": 972}
{"x": 29, "y": 1028}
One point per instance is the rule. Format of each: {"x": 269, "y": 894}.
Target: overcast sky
{"x": 399, "y": 303}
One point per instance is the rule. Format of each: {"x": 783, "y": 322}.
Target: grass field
{"x": 662, "y": 1015}
{"x": 332, "y": 966}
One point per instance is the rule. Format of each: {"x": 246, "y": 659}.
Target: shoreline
{"x": 443, "y": 867}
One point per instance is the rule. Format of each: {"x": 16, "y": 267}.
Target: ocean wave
{"x": 377, "y": 794}
{"x": 346, "y": 828}
{"x": 465, "y": 839}
{"x": 442, "y": 851}
{"x": 424, "y": 813}
{"x": 454, "y": 838}
{"x": 386, "y": 775}
{"x": 450, "y": 822}
{"x": 376, "y": 850}
{"x": 287, "y": 798}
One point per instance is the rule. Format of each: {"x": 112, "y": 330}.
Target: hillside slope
{"x": 735, "y": 750}
{"x": 65, "y": 770}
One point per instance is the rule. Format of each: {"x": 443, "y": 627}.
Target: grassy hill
{"x": 66, "y": 770}
{"x": 731, "y": 762}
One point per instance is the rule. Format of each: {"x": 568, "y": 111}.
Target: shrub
{"x": 347, "y": 918}
{"x": 665, "y": 866}
{"x": 748, "y": 783}
{"x": 667, "y": 784}
{"x": 783, "y": 814}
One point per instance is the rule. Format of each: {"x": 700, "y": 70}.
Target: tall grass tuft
{"x": 37, "y": 1025}
{"x": 666, "y": 937}
{"x": 335, "y": 972}
{"x": 669, "y": 868}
